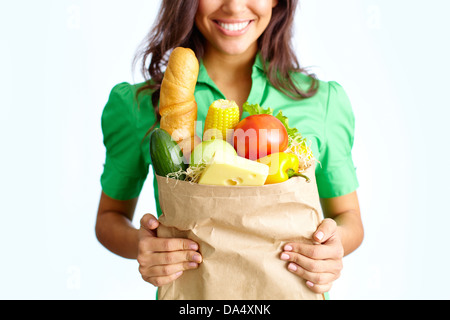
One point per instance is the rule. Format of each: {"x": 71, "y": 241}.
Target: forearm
{"x": 345, "y": 211}
{"x": 350, "y": 230}
{"x": 116, "y": 233}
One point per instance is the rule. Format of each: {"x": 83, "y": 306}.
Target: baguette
{"x": 177, "y": 107}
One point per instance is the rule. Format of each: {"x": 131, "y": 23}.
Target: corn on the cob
{"x": 222, "y": 116}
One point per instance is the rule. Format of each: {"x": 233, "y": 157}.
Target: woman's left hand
{"x": 318, "y": 262}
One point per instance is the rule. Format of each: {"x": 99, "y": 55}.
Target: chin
{"x": 234, "y": 49}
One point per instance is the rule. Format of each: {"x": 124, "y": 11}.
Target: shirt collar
{"x": 259, "y": 62}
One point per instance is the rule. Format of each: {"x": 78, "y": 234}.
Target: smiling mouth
{"x": 239, "y": 26}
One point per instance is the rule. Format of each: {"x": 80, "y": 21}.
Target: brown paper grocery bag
{"x": 241, "y": 232}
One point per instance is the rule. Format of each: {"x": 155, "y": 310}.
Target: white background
{"x": 59, "y": 60}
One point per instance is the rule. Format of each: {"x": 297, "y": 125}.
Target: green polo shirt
{"x": 326, "y": 120}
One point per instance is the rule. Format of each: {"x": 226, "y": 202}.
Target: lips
{"x": 233, "y": 27}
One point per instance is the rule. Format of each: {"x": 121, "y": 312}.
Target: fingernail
{"x": 319, "y": 235}
{"x": 179, "y": 273}
{"x": 288, "y": 248}
{"x": 194, "y": 247}
{"x": 197, "y": 258}
{"x": 309, "y": 284}
{"x": 292, "y": 267}
{"x": 193, "y": 264}
{"x": 284, "y": 256}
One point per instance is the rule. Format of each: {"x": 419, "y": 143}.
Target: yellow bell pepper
{"x": 282, "y": 167}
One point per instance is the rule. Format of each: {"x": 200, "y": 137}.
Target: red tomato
{"x": 260, "y": 135}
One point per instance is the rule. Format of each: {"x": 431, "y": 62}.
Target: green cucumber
{"x": 166, "y": 155}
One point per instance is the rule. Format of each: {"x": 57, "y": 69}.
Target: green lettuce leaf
{"x": 254, "y": 109}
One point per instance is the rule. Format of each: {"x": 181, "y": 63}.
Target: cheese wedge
{"x": 230, "y": 170}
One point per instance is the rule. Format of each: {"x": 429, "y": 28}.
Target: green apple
{"x": 205, "y": 151}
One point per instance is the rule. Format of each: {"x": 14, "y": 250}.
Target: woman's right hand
{"x": 163, "y": 260}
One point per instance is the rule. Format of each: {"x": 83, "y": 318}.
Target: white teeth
{"x": 234, "y": 26}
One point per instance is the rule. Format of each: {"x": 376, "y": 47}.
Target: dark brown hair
{"x": 175, "y": 27}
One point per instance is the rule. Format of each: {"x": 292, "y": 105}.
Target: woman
{"x": 245, "y": 55}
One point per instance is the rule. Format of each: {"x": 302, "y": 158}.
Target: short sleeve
{"x": 125, "y": 170}
{"x": 336, "y": 173}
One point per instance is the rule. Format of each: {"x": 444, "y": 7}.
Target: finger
{"x": 313, "y": 251}
{"x": 319, "y": 288}
{"x": 173, "y": 244}
{"x": 315, "y": 278}
{"x": 325, "y": 230}
{"x": 167, "y": 258}
{"x": 167, "y": 270}
{"x": 149, "y": 222}
{"x": 161, "y": 281}
{"x": 312, "y": 265}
